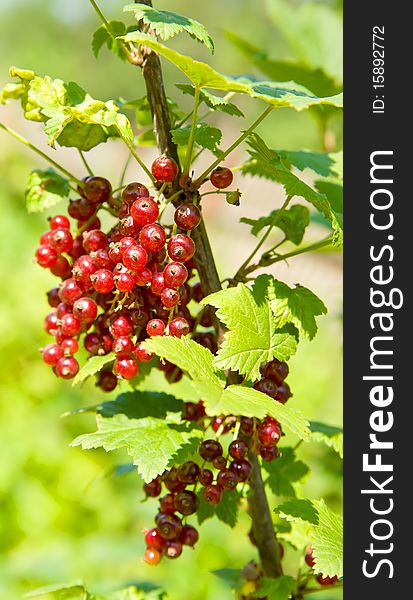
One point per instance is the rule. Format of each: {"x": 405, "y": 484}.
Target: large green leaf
{"x": 323, "y": 163}
{"x": 253, "y": 337}
{"x": 293, "y": 222}
{"x": 281, "y": 588}
{"x": 139, "y": 404}
{"x": 205, "y": 136}
{"x": 327, "y": 434}
{"x": 167, "y": 24}
{"x": 45, "y": 189}
{"x": 152, "y": 443}
{"x": 93, "y": 365}
{"x": 104, "y": 36}
{"x": 285, "y": 471}
{"x": 278, "y": 94}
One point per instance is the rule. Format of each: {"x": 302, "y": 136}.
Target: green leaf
{"x": 103, "y": 37}
{"x": 327, "y": 434}
{"x": 285, "y": 471}
{"x": 138, "y": 405}
{"x": 93, "y": 365}
{"x": 70, "y": 115}
{"x": 276, "y": 589}
{"x": 213, "y": 102}
{"x": 325, "y": 532}
{"x": 278, "y": 94}
{"x": 253, "y": 338}
{"x": 209, "y": 384}
{"x": 226, "y": 511}
{"x": 333, "y": 190}
{"x": 314, "y": 31}
{"x": 323, "y": 163}
{"x": 167, "y": 24}
{"x": 293, "y": 222}
{"x": 232, "y": 577}
{"x": 297, "y": 305}
{"x": 315, "y": 79}
{"x": 45, "y": 189}
{"x": 69, "y": 591}
{"x": 205, "y": 136}
{"x": 152, "y": 443}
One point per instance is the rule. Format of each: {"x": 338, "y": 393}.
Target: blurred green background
{"x": 62, "y": 515}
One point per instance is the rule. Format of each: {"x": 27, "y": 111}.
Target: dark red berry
{"x": 221, "y": 177}
{"x": 309, "y": 557}
{"x": 219, "y": 462}
{"x": 167, "y": 504}
{"x": 53, "y": 297}
{"x": 172, "y": 482}
{"x": 170, "y": 297}
{"x": 126, "y": 368}
{"x": 77, "y": 248}
{"x": 181, "y": 247}
{"x": 210, "y": 449}
{"x": 170, "y": 527}
{"x": 81, "y": 209}
{"x": 107, "y": 381}
{"x": 266, "y": 386}
{"x": 144, "y": 211}
{"x": 212, "y": 494}
{"x": 94, "y": 240}
{"x": 85, "y": 309}
{"x": 175, "y": 274}
{"x": 52, "y": 353}
{"x": 187, "y": 216}
{"x": 191, "y": 412}
{"x": 67, "y": 367}
{"x": 157, "y": 283}
{"x": 97, "y": 189}
{"x": 123, "y": 346}
{"x": 172, "y": 549}
{"x": 188, "y": 472}
{"x": 227, "y": 479}
{"x": 269, "y": 453}
{"x": 97, "y": 344}
{"x": 189, "y": 536}
{"x": 143, "y": 355}
{"x": 165, "y": 169}
{"x": 70, "y": 324}
{"x": 153, "y": 539}
{"x": 186, "y": 503}
{"x": 247, "y": 426}
{"x": 275, "y": 369}
{"x": 238, "y": 448}
{"x": 133, "y": 191}
{"x": 135, "y": 258}
{"x": 155, "y": 327}
{"x": 153, "y": 488}
{"x": 241, "y": 467}
{"x": 283, "y": 393}
{"x": 326, "y": 580}
{"x": 206, "y": 477}
{"x": 223, "y": 424}
{"x": 61, "y": 268}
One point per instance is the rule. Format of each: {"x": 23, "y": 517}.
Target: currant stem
{"x": 139, "y": 160}
{"x": 237, "y": 142}
{"x": 28, "y": 144}
{"x": 84, "y": 161}
{"x": 317, "y": 246}
{"x": 191, "y": 139}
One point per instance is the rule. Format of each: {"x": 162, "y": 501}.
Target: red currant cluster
{"x": 120, "y": 287}
{"x": 310, "y": 561}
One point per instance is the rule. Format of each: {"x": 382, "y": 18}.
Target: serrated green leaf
{"x": 226, "y": 511}
{"x": 284, "y": 471}
{"x": 209, "y": 384}
{"x": 276, "y": 589}
{"x": 333, "y": 190}
{"x": 299, "y": 509}
{"x": 293, "y": 222}
{"x": 93, "y": 365}
{"x": 327, "y": 542}
{"x": 167, "y": 24}
{"x": 138, "y": 405}
{"x": 252, "y": 337}
{"x": 213, "y": 102}
{"x": 323, "y": 163}
{"x": 327, "y": 434}
{"x": 102, "y": 37}
{"x": 297, "y": 305}
{"x": 45, "y": 188}
{"x": 152, "y": 443}
{"x": 205, "y": 136}
{"x": 278, "y": 94}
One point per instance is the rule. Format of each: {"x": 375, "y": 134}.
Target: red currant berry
{"x": 172, "y": 482}
{"x": 77, "y": 248}
{"x": 152, "y": 556}
{"x": 212, "y": 494}
{"x": 63, "y": 309}
{"x": 59, "y": 222}
{"x": 53, "y": 297}
{"x": 61, "y": 240}
{"x": 70, "y": 291}
{"x": 172, "y": 549}
{"x": 46, "y": 256}
{"x": 153, "y": 539}
{"x": 221, "y": 177}
{"x": 247, "y": 426}
{"x": 135, "y": 258}
{"x": 170, "y": 527}
{"x": 102, "y": 281}
{"x": 144, "y": 211}
{"x": 283, "y": 393}
{"x": 153, "y": 488}
{"x": 97, "y": 189}
{"x": 125, "y": 243}
{"x": 123, "y": 346}
{"x": 188, "y": 472}
{"x": 266, "y": 386}
{"x": 70, "y": 346}
{"x": 187, "y": 216}
{"x": 52, "y": 353}
{"x": 155, "y": 327}
{"x": 128, "y": 227}
{"x": 242, "y": 468}
{"x": 143, "y": 355}
{"x": 97, "y": 344}
{"x": 120, "y": 326}
{"x": 189, "y": 536}
{"x": 158, "y": 283}
{"x": 61, "y": 268}
{"x": 181, "y": 247}
{"x": 191, "y": 412}
{"x": 238, "y": 448}
{"x": 127, "y": 368}
{"x": 186, "y": 503}
{"x": 133, "y": 191}
{"x": 227, "y": 479}
{"x": 219, "y": 462}
{"x": 81, "y": 209}
{"x": 115, "y": 251}
{"x": 124, "y": 282}
{"x": 269, "y": 433}
{"x": 309, "y": 557}
{"x": 175, "y": 274}
{"x": 170, "y": 297}
{"x": 152, "y": 237}
{"x": 67, "y": 367}
{"x": 107, "y": 381}
{"x": 85, "y": 309}
{"x": 51, "y": 323}
{"x": 223, "y": 424}
{"x": 70, "y": 324}
{"x": 165, "y": 169}
{"x": 206, "y": 477}
{"x": 210, "y": 449}
{"x": 94, "y": 240}
{"x": 269, "y": 453}
{"x": 142, "y": 277}
{"x": 179, "y": 327}
{"x": 83, "y": 268}
{"x": 167, "y": 504}
{"x": 276, "y": 370}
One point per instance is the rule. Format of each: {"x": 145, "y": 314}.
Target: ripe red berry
{"x": 309, "y": 557}
{"x": 58, "y": 222}
{"x": 242, "y": 468}
{"x": 227, "y": 479}
{"x": 153, "y": 488}
{"x": 124, "y": 282}
{"x": 61, "y": 268}
{"x": 187, "y": 216}
{"x": 46, "y": 256}
{"x": 53, "y": 297}
{"x": 107, "y": 381}
{"x": 97, "y": 344}
{"x": 172, "y": 549}
{"x": 63, "y": 309}
{"x": 165, "y": 169}
{"x": 52, "y": 353}
{"x": 85, "y": 309}
{"x": 219, "y": 462}
{"x": 51, "y": 323}
{"x": 206, "y": 477}
{"x": 102, "y": 281}
{"x": 283, "y": 393}
{"x": 70, "y": 291}
{"x": 172, "y": 482}
{"x": 212, "y": 494}
{"x": 188, "y": 472}
{"x": 70, "y": 324}
{"x": 186, "y": 503}
{"x": 67, "y": 367}
{"x": 77, "y": 248}
{"x": 210, "y": 449}
{"x": 269, "y": 433}
{"x": 123, "y": 346}
{"x": 94, "y": 240}
{"x": 238, "y": 448}
{"x": 128, "y": 227}
{"x": 167, "y": 504}
{"x": 267, "y": 386}
{"x": 152, "y": 556}
{"x": 158, "y": 283}
{"x": 221, "y": 177}
{"x": 133, "y": 191}
{"x": 275, "y": 369}
{"x": 269, "y": 453}
{"x": 170, "y": 297}
{"x": 143, "y": 355}
{"x": 120, "y": 326}
{"x": 127, "y": 368}
{"x": 175, "y": 274}
{"x": 142, "y": 277}
{"x": 81, "y": 209}
{"x": 152, "y": 237}
{"x": 326, "y": 580}
{"x": 69, "y": 346}
{"x": 189, "y": 536}
{"x": 181, "y": 247}
{"x": 153, "y": 539}
{"x": 61, "y": 240}
{"x": 97, "y": 189}
{"x": 83, "y": 268}
{"x": 155, "y": 327}
{"x": 144, "y": 211}
{"x": 170, "y": 527}
{"x": 135, "y": 258}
